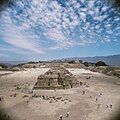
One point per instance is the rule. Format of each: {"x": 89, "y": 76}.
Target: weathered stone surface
{"x": 56, "y": 78}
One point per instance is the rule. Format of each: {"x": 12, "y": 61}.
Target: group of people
{"x": 84, "y": 84}
{"x": 97, "y": 98}
{"x": 67, "y": 115}
{"x": 7, "y": 116}
{"x": 50, "y": 98}
{"x": 109, "y": 105}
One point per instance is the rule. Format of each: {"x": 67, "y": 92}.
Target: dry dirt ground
{"x": 17, "y": 100}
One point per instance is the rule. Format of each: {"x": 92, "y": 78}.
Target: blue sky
{"x": 53, "y": 29}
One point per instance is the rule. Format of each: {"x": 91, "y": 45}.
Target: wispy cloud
{"x": 85, "y": 42}
{"x": 3, "y": 55}
{"x": 16, "y": 50}
{"x": 60, "y": 40}
{"x": 14, "y": 35}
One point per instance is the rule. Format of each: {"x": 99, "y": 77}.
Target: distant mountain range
{"x": 11, "y": 63}
{"x": 112, "y": 60}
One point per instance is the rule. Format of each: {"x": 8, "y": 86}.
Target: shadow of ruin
{"x": 56, "y": 78}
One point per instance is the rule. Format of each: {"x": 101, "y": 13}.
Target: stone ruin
{"x": 56, "y": 78}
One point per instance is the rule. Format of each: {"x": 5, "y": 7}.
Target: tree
{"x": 3, "y": 66}
{"x": 80, "y": 61}
{"x": 86, "y": 64}
{"x": 71, "y": 62}
{"x": 100, "y": 63}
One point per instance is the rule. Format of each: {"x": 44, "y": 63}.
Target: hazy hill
{"x": 113, "y": 60}
{"x": 9, "y": 63}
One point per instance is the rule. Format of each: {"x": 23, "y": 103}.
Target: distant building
{"x": 56, "y": 78}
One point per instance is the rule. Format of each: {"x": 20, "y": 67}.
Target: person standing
{"x": 83, "y": 92}
{"x": 61, "y": 116}
{"x": 67, "y": 115}
{"x": 98, "y": 105}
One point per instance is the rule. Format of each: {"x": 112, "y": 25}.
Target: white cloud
{"x": 60, "y": 40}
{"x": 16, "y": 50}
{"x": 12, "y": 35}
{"x": 56, "y": 23}
{"x": 85, "y": 42}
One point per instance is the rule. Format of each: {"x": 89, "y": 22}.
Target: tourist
{"x": 61, "y": 116}
{"x": 84, "y": 83}
{"x": 90, "y": 96}
{"x": 67, "y": 115}
{"x": 107, "y": 105}
{"x": 83, "y": 92}
{"x": 27, "y": 102}
{"x": 50, "y": 101}
{"x": 100, "y": 94}
{"x": 110, "y": 105}
{"x": 80, "y": 83}
{"x": 5, "y": 116}
{"x": 87, "y": 85}
{"x": 8, "y": 115}
{"x": 96, "y": 99}
{"x": 31, "y": 92}
{"x": 1, "y": 98}
{"x": 98, "y": 105}
{"x": 43, "y": 97}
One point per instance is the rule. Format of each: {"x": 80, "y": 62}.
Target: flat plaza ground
{"x": 81, "y": 107}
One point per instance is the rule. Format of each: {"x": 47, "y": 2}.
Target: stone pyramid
{"x": 56, "y": 78}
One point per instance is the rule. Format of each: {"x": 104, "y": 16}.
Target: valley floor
{"x": 50, "y": 104}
